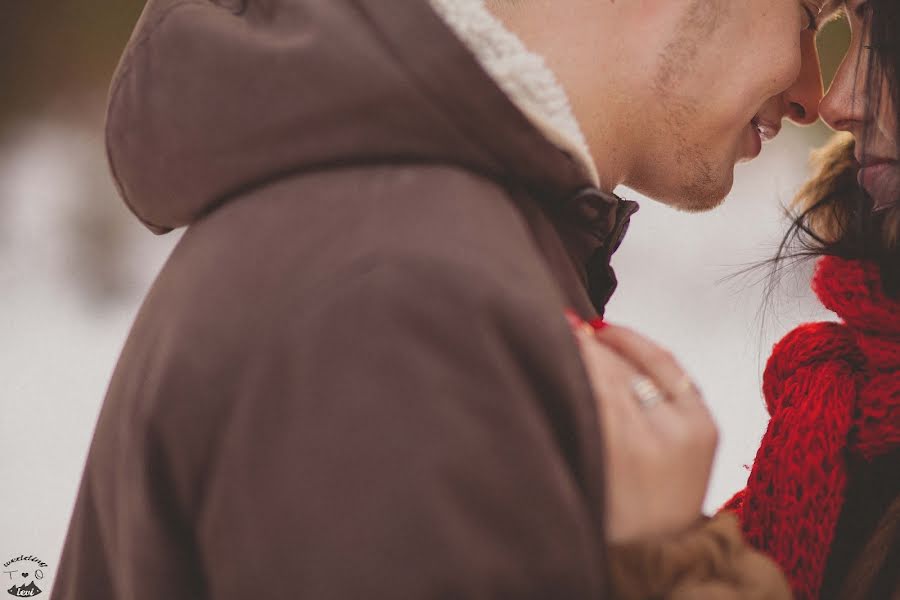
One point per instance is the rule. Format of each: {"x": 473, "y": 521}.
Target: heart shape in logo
{"x": 24, "y": 574}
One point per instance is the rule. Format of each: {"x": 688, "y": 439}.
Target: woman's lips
{"x": 881, "y": 179}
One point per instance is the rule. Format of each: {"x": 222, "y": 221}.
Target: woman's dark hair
{"x": 832, "y": 215}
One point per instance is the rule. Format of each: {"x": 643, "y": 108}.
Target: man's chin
{"x": 701, "y": 204}
{"x": 703, "y": 194}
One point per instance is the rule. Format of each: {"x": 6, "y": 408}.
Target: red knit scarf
{"x": 832, "y": 389}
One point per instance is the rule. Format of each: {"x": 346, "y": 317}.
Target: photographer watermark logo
{"x": 24, "y": 572}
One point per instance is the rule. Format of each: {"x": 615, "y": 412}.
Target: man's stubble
{"x": 699, "y": 189}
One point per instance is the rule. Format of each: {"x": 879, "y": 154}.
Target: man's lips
{"x": 766, "y": 129}
{"x": 760, "y": 130}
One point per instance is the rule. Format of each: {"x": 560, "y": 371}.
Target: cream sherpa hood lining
{"x": 522, "y": 75}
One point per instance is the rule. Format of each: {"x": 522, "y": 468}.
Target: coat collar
{"x": 592, "y": 222}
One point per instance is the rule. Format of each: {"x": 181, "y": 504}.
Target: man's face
{"x": 730, "y": 72}
{"x": 695, "y": 85}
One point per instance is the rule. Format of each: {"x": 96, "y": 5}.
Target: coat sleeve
{"x": 710, "y": 562}
{"x": 407, "y": 434}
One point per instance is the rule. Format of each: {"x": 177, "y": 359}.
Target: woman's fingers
{"x": 622, "y": 415}
{"x": 610, "y": 376}
{"x": 657, "y": 457}
{"x": 656, "y": 363}
{"x": 697, "y": 424}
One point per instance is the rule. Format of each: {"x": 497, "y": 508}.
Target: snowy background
{"x": 74, "y": 266}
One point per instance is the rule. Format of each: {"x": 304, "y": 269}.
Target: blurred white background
{"x": 74, "y": 265}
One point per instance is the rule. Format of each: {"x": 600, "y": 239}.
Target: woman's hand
{"x": 659, "y": 451}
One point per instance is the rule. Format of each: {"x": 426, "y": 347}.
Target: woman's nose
{"x": 842, "y": 106}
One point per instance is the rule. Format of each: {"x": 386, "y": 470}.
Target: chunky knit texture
{"x": 832, "y": 389}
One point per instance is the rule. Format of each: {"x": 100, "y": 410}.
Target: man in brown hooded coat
{"x": 352, "y": 378}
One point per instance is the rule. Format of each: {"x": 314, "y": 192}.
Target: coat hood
{"x": 215, "y": 97}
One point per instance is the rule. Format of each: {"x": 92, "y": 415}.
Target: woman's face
{"x": 845, "y": 108}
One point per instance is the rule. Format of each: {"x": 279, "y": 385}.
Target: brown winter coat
{"x": 352, "y": 378}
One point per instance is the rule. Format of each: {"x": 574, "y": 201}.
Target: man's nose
{"x": 803, "y": 97}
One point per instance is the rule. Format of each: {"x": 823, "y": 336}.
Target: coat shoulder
{"x": 403, "y": 261}
{"x": 331, "y": 330}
